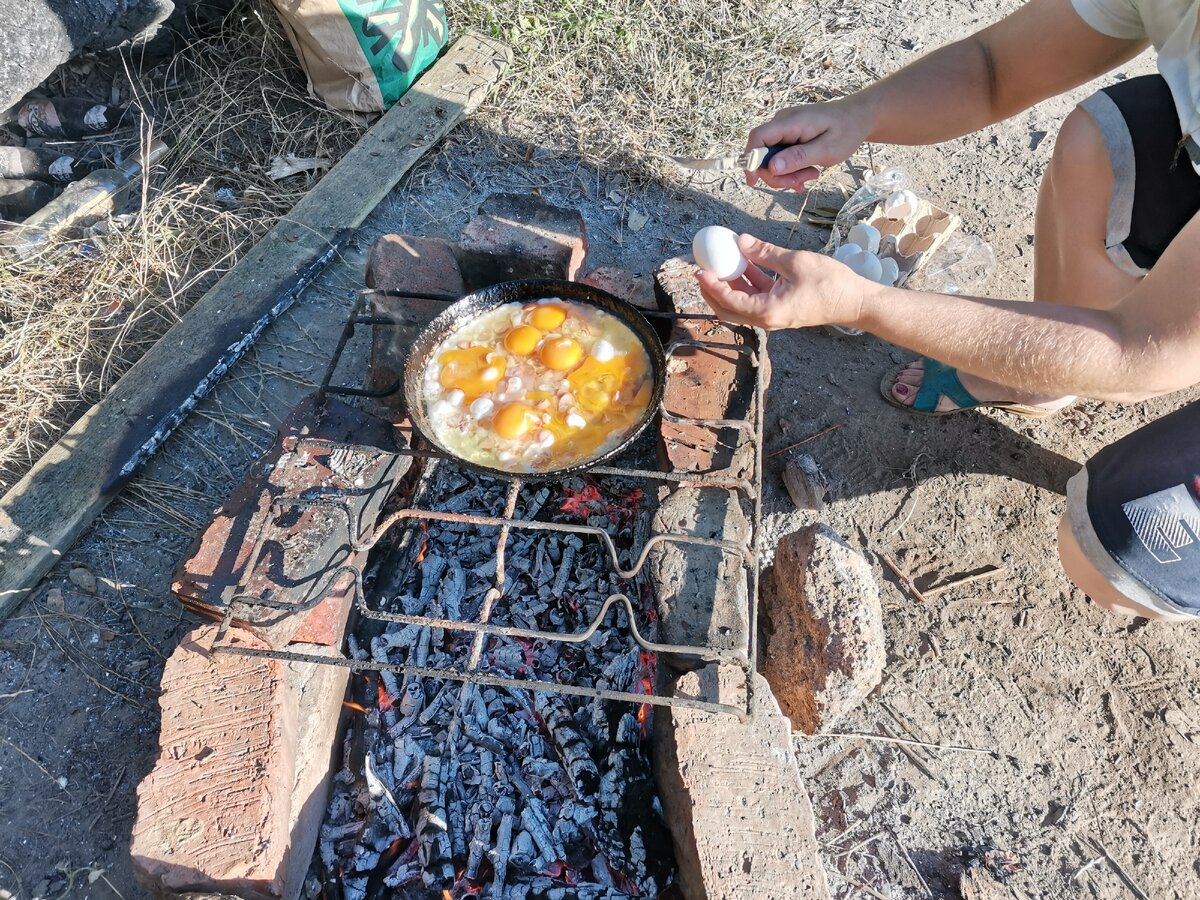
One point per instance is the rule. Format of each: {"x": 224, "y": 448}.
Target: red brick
{"x": 702, "y": 382}
{"x": 215, "y": 812}
{"x": 632, "y": 287}
{"x": 521, "y": 236}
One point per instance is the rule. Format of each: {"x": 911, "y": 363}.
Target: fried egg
{"x": 537, "y": 387}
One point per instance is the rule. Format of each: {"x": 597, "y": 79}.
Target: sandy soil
{"x": 1089, "y": 721}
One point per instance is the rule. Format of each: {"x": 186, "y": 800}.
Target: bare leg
{"x": 1071, "y": 265}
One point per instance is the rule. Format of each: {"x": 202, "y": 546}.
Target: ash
{"x": 453, "y": 790}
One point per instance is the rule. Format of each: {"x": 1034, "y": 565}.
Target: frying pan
{"x": 476, "y": 304}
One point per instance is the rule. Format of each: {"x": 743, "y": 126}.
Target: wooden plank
{"x": 46, "y": 511}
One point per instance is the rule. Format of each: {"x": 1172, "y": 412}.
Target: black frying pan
{"x": 473, "y": 305}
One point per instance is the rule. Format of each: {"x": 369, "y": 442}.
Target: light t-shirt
{"x": 1173, "y": 27}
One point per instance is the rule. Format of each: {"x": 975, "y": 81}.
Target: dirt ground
{"x": 1088, "y": 721}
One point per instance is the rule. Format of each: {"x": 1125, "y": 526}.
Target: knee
{"x": 1079, "y": 150}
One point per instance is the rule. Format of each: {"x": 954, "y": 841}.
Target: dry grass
{"x": 623, "y": 83}
{"x": 72, "y": 321}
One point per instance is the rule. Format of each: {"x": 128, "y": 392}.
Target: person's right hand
{"x": 820, "y": 135}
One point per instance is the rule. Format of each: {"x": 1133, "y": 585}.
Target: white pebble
{"x": 455, "y": 397}
{"x": 574, "y": 420}
{"x": 866, "y": 236}
{"x": 481, "y": 407}
{"x": 900, "y": 204}
{"x": 545, "y": 439}
{"x": 603, "y": 351}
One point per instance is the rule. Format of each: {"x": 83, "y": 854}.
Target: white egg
{"x": 575, "y": 420}
{"x": 716, "y": 250}
{"x": 845, "y": 250}
{"x": 900, "y": 204}
{"x": 865, "y": 236}
{"x": 865, "y": 264}
{"x": 603, "y": 351}
{"x": 481, "y": 408}
{"x": 890, "y": 271}
{"x": 455, "y": 397}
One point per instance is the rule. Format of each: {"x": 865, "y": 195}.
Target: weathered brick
{"x": 405, "y": 262}
{"x": 738, "y": 810}
{"x": 632, "y": 287}
{"x": 521, "y": 236}
{"x": 822, "y": 628}
{"x": 703, "y": 382}
{"x": 214, "y": 813}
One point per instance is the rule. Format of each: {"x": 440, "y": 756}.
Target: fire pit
{"x": 508, "y": 647}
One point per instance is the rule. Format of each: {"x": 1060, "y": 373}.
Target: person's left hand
{"x": 811, "y": 289}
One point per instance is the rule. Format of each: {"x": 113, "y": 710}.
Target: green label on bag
{"x": 399, "y": 38}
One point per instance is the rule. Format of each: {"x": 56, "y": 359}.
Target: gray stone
{"x": 821, "y": 623}
{"x": 702, "y": 591}
{"x": 739, "y": 813}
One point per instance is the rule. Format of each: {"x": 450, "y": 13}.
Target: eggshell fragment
{"x": 455, "y": 397}
{"x": 481, "y": 407}
{"x": 716, "y": 250}
{"x": 574, "y": 420}
{"x": 890, "y": 271}
{"x": 900, "y": 204}
{"x": 603, "y": 351}
{"x": 865, "y": 236}
{"x": 865, "y": 264}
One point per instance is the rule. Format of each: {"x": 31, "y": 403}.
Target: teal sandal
{"x": 941, "y": 380}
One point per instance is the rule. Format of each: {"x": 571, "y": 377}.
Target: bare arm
{"x": 1042, "y": 49}
{"x": 1148, "y": 344}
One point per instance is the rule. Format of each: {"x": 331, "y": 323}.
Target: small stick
{"x": 811, "y": 437}
{"x": 964, "y": 581}
{"x": 912, "y": 865}
{"x": 867, "y": 889}
{"x": 885, "y": 739}
{"x": 1121, "y": 873}
{"x": 905, "y": 581}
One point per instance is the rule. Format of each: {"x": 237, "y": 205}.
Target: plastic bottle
{"x": 82, "y": 203}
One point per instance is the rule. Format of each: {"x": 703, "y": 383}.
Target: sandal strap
{"x": 941, "y": 380}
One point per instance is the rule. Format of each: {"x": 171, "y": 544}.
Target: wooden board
{"x": 46, "y": 511}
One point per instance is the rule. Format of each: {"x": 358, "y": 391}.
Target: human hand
{"x": 818, "y": 135}
{"x": 811, "y": 289}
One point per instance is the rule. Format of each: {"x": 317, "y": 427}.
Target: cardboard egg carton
{"x": 911, "y": 240}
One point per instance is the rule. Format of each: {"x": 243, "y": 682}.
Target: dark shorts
{"x": 1156, "y": 190}
{"x": 1135, "y": 511}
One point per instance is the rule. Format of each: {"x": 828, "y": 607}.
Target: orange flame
{"x": 424, "y": 544}
{"x": 446, "y": 895}
{"x": 357, "y": 707}
{"x": 385, "y": 699}
{"x": 643, "y": 713}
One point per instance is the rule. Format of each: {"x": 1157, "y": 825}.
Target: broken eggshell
{"x": 716, "y": 250}
{"x": 865, "y": 264}
{"x": 900, "y": 204}
{"x": 865, "y": 236}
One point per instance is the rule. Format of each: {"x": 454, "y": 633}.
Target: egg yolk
{"x": 522, "y": 340}
{"x": 469, "y": 371}
{"x": 561, "y": 354}
{"x": 547, "y": 316}
{"x": 512, "y": 420}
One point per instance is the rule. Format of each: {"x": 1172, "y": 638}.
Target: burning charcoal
{"x": 437, "y": 867}
{"x": 403, "y": 870}
{"x": 381, "y": 792}
{"x": 570, "y": 743}
{"x": 486, "y": 569}
{"x": 458, "y": 828}
{"x": 421, "y": 655}
{"x": 431, "y": 574}
{"x": 564, "y": 568}
{"x": 480, "y": 836}
{"x": 487, "y": 772}
{"x": 453, "y": 589}
{"x": 500, "y": 852}
{"x": 524, "y": 853}
{"x": 534, "y": 821}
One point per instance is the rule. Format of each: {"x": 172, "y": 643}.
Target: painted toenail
{"x": 902, "y": 390}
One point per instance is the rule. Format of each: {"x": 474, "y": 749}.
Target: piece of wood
{"x": 47, "y": 510}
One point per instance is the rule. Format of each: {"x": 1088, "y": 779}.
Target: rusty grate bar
{"x": 748, "y": 553}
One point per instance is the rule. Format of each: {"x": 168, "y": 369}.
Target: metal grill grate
{"x": 746, "y": 552}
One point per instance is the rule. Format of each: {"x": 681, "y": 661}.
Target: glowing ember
{"x": 357, "y": 707}
{"x": 385, "y": 699}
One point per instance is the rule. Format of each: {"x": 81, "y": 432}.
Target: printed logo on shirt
{"x": 1165, "y": 522}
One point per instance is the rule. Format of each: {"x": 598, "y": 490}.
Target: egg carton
{"x": 912, "y": 239}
